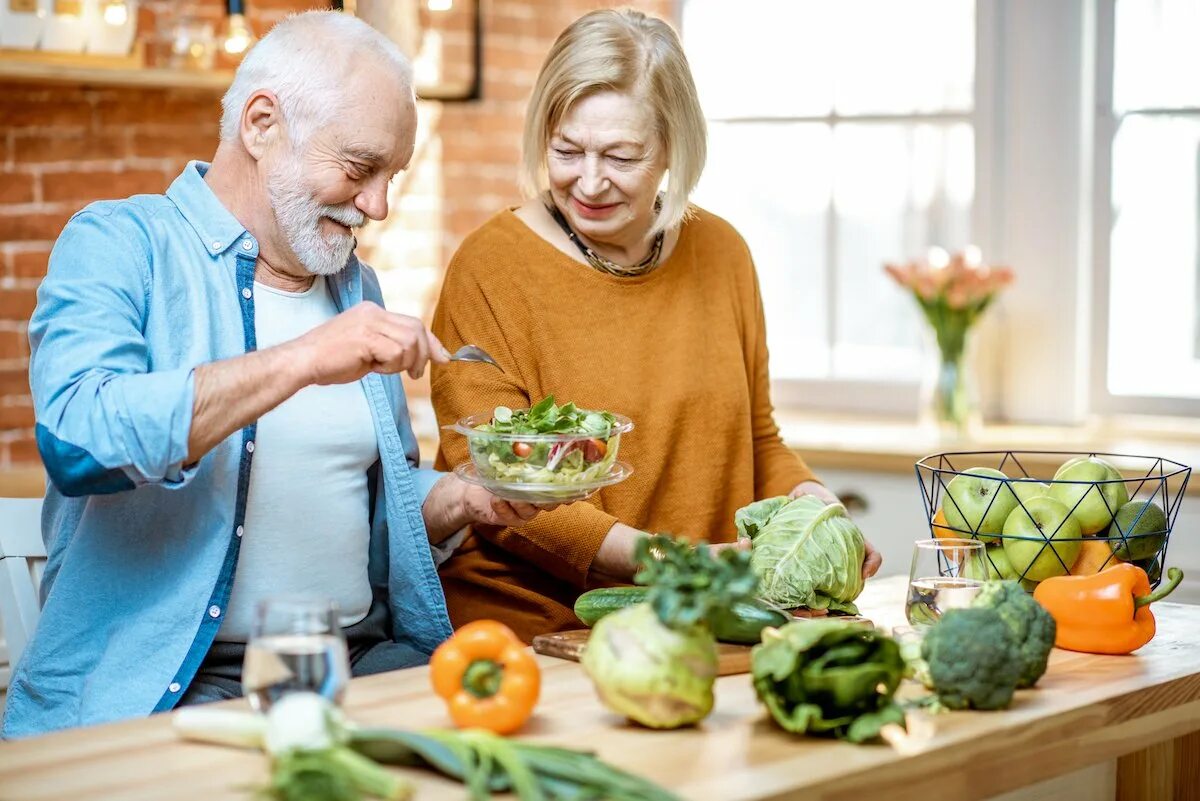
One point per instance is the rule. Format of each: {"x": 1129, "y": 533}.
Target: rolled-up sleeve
{"x": 106, "y": 421}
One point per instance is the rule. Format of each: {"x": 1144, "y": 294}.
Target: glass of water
{"x": 936, "y": 581}
{"x": 295, "y": 645}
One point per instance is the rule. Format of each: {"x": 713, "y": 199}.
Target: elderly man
{"x": 219, "y": 405}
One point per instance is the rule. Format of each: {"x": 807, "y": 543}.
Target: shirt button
{"x": 250, "y": 447}
{"x": 173, "y": 686}
{"x": 216, "y": 245}
{"x": 247, "y": 244}
{"x": 246, "y": 293}
{"x": 214, "y": 611}
{"x": 241, "y": 530}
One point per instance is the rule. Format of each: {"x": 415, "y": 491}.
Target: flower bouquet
{"x": 952, "y": 292}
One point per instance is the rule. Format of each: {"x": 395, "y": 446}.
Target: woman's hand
{"x": 814, "y": 489}
{"x": 873, "y": 560}
{"x": 740, "y": 544}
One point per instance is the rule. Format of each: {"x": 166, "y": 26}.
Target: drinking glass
{"x": 295, "y": 645}
{"x": 935, "y": 580}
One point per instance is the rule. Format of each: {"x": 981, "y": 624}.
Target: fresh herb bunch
{"x": 547, "y": 418}
{"x": 689, "y": 585}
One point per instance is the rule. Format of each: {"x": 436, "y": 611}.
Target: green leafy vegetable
{"x": 655, "y": 662}
{"x": 547, "y": 418}
{"x": 829, "y": 678}
{"x": 805, "y": 552}
{"x": 688, "y": 585}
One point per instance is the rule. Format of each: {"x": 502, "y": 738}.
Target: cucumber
{"x": 595, "y": 604}
{"x": 742, "y": 623}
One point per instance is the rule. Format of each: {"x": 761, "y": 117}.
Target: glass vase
{"x": 949, "y": 398}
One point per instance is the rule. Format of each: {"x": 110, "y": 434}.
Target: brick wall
{"x": 63, "y": 147}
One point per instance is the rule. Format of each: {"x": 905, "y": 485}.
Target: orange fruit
{"x": 942, "y": 531}
{"x": 1094, "y": 556}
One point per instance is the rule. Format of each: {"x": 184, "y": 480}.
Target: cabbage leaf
{"x": 805, "y": 553}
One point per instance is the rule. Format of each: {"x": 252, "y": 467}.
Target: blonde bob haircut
{"x": 629, "y": 52}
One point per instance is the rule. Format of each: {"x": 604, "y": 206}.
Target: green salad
{"x": 582, "y": 445}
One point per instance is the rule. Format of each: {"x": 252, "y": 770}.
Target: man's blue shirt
{"x": 142, "y": 550}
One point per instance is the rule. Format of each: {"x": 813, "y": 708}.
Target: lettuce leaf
{"x": 829, "y": 678}
{"x": 805, "y": 553}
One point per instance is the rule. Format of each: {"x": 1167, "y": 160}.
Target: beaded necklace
{"x": 606, "y": 265}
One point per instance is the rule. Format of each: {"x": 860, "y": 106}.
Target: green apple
{"x": 1026, "y": 489}
{"x": 1042, "y": 539}
{"x": 1145, "y": 531}
{"x": 990, "y": 566}
{"x": 1092, "y": 504}
{"x": 976, "y": 501}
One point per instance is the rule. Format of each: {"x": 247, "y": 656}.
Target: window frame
{"x": 892, "y": 397}
{"x": 1107, "y": 123}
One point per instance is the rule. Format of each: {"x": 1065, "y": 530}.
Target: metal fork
{"x": 471, "y": 353}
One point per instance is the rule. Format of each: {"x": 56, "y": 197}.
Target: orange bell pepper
{"x": 487, "y": 678}
{"x": 1105, "y": 613}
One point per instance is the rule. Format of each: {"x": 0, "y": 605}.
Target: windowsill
{"x": 893, "y": 445}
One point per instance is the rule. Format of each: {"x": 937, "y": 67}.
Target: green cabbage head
{"x": 658, "y": 676}
{"x": 805, "y": 552}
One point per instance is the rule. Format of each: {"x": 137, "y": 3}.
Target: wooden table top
{"x": 1086, "y": 709}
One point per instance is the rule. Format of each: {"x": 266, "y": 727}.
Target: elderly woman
{"x": 602, "y": 291}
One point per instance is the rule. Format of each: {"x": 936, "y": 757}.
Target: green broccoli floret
{"x": 1032, "y": 626}
{"x": 972, "y": 658}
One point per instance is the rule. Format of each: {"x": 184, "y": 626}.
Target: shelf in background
{"x": 80, "y": 69}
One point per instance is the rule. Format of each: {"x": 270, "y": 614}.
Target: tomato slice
{"x": 594, "y": 450}
{"x": 522, "y": 449}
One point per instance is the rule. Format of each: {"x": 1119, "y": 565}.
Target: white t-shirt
{"x": 307, "y": 527}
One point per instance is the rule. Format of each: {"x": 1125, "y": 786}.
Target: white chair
{"x": 22, "y": 560}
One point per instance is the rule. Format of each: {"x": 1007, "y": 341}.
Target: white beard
{"x": 299, "y": 217}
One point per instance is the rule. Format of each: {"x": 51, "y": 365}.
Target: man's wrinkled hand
{"x": 485, "y": 508}
{"x": 366, "y": 339}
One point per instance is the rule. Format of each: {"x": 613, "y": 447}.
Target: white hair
{"x": 304, "y": 61}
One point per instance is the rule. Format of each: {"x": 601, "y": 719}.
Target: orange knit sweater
{"x": 682, "y": 351}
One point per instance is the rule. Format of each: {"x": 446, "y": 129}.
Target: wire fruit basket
{"x": 1098, "y": 509}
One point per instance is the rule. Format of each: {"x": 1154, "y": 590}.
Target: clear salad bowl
{"x": 543, "y": 467}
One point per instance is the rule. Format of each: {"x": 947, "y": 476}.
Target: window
{"x": 836, "y": 146}
{"x": 1148, "y": 146}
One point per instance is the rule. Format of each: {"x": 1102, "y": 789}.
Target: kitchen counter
{"x": 1142, "y": 711}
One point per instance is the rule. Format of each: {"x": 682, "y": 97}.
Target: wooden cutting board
{"x": 731, "y": 658}
{"x": 569, "y": 645}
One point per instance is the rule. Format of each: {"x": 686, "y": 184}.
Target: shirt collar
{"x": 217, "y": 228}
